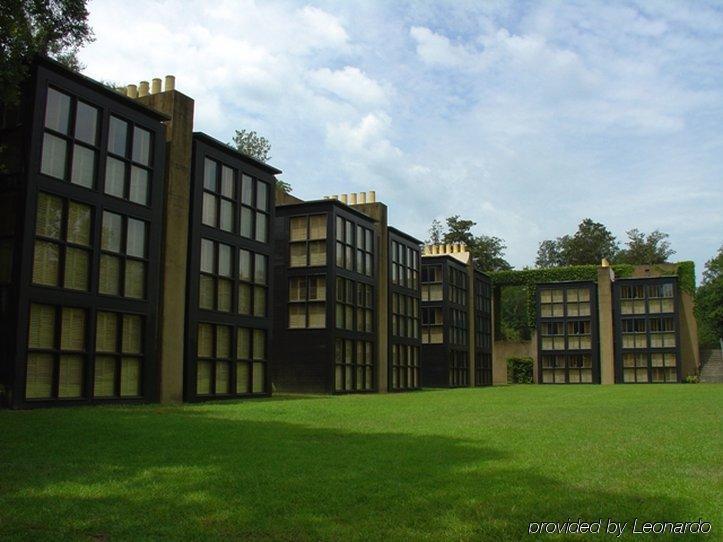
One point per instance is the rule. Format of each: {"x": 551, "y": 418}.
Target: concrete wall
{"x": 605, "y": 278}
{"x": 177, "y": 190}
{"x": 689, "y": 352}
{"x": 512, "y": 349}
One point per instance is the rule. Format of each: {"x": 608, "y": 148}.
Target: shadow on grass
{"x": 113, "y": 474}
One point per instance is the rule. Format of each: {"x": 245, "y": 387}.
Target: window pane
{"x": 132, "y": 334}
{"x": 260, "y": 269}
{"x": 262, "y": 196}
{"x": 227, "y": 184}
{"x": 203, "y": 378}
{"x": 141, "y": 146}
{"x": 72, "y": 334}
{"x": 109, "y": 275}
{"x": 259, "y": 301}
{"x": 317, "y": 315}
{"x": 297, "y": 289}
{"x": 105, "y": 369}
{"x": 297, "y": 316}
{"x": 297, "y": 256}
{"x": 52, "y": 162}
{"x": 261, "y": 227}
{"x": 135, "y": 279}
{"x": 243, "y": 343}
{"x": 111, "y": 232}
{"x": 130, "y": 377}
{"x": 42, "y": 326}
{"x": 57, "y": 111}
{"x": 86, "y": 123}
{"x": 247, "y": 190}
{"x": 209, "y": 175}
{"x": 78, "y": 224}
{"x": 244, "y": 265}
{"x": 224, "y": 295}
{"x": 317, "y": 288}
{"x": 208, "y": 215}
{"x": 224, "y": 260}
{"x": 115, "y": 172}
{"x": 317, "y": 226}
{"x": 244, "y": 299}
{"x": 259, "y": 349}
{"x": 70, "y": 377}
{"x": 117, "y": 136}
{"x": 106, "y": 332}
{"x": 317, "y": 253}
{"x": 139, "y": 186}
{"x": 223, "y": 382}
{"x": 258, "y": 384}
{"x": 83, "y": 170}
{"x": 136, "y": 241}
{"x": 46, "y": 262}
{"x": 205, "y": 341}
{"x": 226, "y": 222}
{"x": 205, "y": 293}
{"x": 49, "y": 216}
{"x": 223, "y": 342}
{"x": 297, "y": 228}
{"x": 206, "y": 256}
{"x": 242, "y": 377}
{"x": 247, "y": 218}
{"x": 77, "y": 263}
{"x": 39, "y": 376}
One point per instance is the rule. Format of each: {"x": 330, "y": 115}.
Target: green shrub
{"x": 691, "y": 379}
{"x": 519, "y": 370}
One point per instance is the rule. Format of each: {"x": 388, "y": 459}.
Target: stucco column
{"x": 177, "y": 193}
{"x": 605, "y": 277}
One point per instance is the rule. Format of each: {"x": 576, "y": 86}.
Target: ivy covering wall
{"x": 530, "y": 278}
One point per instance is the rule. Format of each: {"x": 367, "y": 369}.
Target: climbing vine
{"x": 530, "y": 278}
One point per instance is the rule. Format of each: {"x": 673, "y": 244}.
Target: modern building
{"x": 346, "y": 311}
{"x": 456, "y": 319}
{"x": 636, "y": 327}
{"x": 134, "y": 253}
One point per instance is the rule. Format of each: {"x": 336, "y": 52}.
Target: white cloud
{"x": 350, "y": 84}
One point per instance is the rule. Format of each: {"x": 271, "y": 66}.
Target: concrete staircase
{"x": 712, "y": 370}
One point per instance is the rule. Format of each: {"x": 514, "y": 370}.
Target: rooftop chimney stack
{"x": 132, "y": 91}
{"x": 143, "y": 88}
{"x": 155, "y": 85}
{"x": 170, "y": 83}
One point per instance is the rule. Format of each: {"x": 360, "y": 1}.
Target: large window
{"x": 405, "y": 266}
{"x": 307, "y": 241}
{"x": 62, "y": 243}
{"x": 483, "y": 369}
{"x": 118, "y": 355}
{"x": 128, "y": 163}
{"x": 405, "y": 316}
{"x": 432, "y": 325}
{"x": 124, "y": 256}
{"x": 70, "y": 149}
{"x": 354, "y": 298}
{"x": 307, "y": 302}
{"x": 457, "y": 327}
{"x": 353, "y": 365}
{"x": 551, "y": 302}
{"x": 432, "y": 283}
{"x": 457, "y": 286}
{"x": 567, "y": 369}
{"x": 354, "y": 239}
{"x": 458, "y": 368}
{"x": 57, "y": 352}
{"x": 221, "y": 370}
{"x": 219, "y": 196}
{"x": 405, "y": 366}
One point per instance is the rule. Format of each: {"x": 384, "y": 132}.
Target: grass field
{"x": 436, "y": 465}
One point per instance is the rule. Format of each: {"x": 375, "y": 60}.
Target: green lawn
{"x": 435, "y": 465}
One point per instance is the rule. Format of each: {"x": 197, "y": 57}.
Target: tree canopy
{"x": 709, "y": 301}
{"x": 487, "y": 251}
{"x": 257, "y": 146}
{"x": 593, "y": 241}
{"x": 57, "y": 28}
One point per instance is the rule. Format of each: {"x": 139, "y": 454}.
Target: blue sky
{"x": 523, "y": 116}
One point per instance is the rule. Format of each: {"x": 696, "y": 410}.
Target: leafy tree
{"x": 588, "y": 245}
{"x": 709, "y": 302}
{"x": 252, "y": 144}
{"x": 642, "y": 249}
{"x": 257, "y": 146}
{"x": 513, "y": 314}
{"x": 487, "y": 251}
{"x": 436, "y": 233}
{"x": 57, "y": 28}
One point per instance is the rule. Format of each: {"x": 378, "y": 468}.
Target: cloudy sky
{"x": 523, "y": 116}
